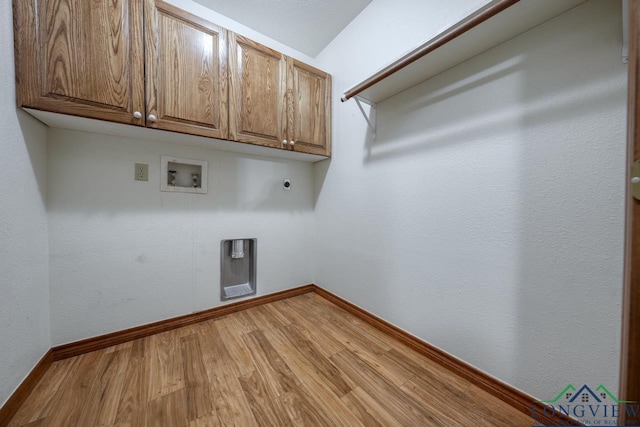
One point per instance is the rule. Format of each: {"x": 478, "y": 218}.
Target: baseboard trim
{"x": 119, "y": 337}
{"x": 11, "y": 406}
{"x": 508, "y": 394}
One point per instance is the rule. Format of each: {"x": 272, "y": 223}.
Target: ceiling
{"x": 305, "y": 25}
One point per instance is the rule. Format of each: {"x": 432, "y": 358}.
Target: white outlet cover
{"x": 141, "y": 172}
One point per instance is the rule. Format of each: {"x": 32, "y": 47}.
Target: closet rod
{"x": 445, "y": 37}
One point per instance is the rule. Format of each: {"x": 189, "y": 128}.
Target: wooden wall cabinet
{"x": 148, "y": 63}
{"x": 277, "y": 101}
{"x": 186, "y": 72}
{"x": 81, "y": 57}
{"x": 308, "y": 108}
{"x": 258, "y": 93}
{"x": 87, "y": 58}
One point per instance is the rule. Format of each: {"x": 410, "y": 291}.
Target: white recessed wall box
{"x": 183, "y": 175}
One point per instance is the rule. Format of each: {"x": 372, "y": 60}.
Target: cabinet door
{"x": 309, "y": 108}
{"x": 81, "y": 57}
{"x": 258, "y": 82}
{"x": 186, "y": 72}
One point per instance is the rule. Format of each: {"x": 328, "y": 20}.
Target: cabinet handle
{"x": 284, "y": 142}
{"x": 137, "y": 114}
{"x": 292, "y": 143}
{"x": 152, "y": 118}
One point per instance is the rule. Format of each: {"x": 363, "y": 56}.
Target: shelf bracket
{"x": 372, "y": 117}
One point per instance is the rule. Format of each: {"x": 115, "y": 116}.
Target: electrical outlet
{"x": 142, "y": 172}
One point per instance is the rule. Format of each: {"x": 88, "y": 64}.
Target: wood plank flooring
{"x": 299, "y": 361}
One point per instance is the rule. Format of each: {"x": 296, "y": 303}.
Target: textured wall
{"x": 487, "y": 218}
{"x": 123, "y": 253}
{"x": 24, "y": 294}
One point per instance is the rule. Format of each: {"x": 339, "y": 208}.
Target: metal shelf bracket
{"x": 372, "y": 117}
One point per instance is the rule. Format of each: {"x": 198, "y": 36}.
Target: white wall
{"x": 487, "y": 218}
{"x": 123, "y": 253}
{"x": 24, "y": 294}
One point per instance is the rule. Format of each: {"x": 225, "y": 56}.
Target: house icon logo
{"x": 591, "y": 406}
{"x": 586, "y": 395}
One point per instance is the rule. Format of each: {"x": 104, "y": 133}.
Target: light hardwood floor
{"x": 300, "y": 361}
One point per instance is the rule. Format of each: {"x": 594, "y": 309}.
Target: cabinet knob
{"x": 137, "y": 114}
{"x": 152, "y": 118}
{"x": 284, "y": 142}
{"x": 292, "y": 143}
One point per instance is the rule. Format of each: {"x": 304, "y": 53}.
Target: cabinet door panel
{"x": 309, "y": 108}
{"x": 186, "y": 72}
{"x": 81, "y": 57}
{"x": 258, "y": 80}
